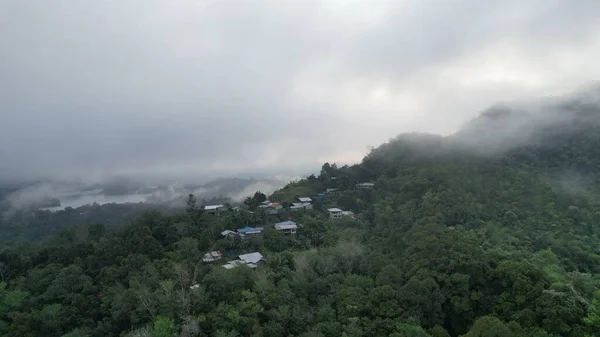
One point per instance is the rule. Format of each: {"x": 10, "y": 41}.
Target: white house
{"x": 335, "y": 213}
{"x": 251, "y": 260}
{"x": 347, "y": 214}
{"x": 214, "y": 208}
{"x": 296, "y": 206}
{"x": 286, "y": 227}
{"x": 228, "y": 233}
{"x": 306, "y": 203}
{"x": 233, "y": 264}
{"x": 251, "y": 257}
{"x": 365, "y": 185}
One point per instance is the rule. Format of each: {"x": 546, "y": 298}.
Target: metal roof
{"x": 284, "y": 225}
{"x": 331, "y": 210}
{"x": 233, "y": 264}
{"x": 251, "y": 258}
{"x": 249, "y": 229}
{"x": 305, "y": 199}
{"x": 212, "y": 207}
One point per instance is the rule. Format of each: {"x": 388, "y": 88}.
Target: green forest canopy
{"x": 502, "y": 241}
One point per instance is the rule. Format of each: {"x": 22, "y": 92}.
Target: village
{"x": 286, "y": 227}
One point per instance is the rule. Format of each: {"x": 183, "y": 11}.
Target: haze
{"x": 189, "y": 89}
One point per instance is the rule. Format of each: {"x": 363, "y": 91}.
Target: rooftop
{"x": 286, "y": 225}
{"x": 212, "y": 207}
{"x": 334, "y": 210}
{"x": 233, "y": 264}
{"x": 249, "y": 229}
{"x": 305, "y": 199}
{"x": 251, "y": 257}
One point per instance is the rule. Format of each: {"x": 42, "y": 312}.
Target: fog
{"x": 191, "y": 90}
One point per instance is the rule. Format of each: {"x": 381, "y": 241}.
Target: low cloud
{"x": 191, "y": 90}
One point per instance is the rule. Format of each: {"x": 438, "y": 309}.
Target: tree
{"x": 408, "y": 330}
{"x": 489, "y": 326}
{"x": 593, "y": 316}
{"x": 191, "y": 206}
{"x": 164, "y": 327}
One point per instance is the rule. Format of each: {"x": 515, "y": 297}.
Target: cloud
{"x": 192, "y": 89}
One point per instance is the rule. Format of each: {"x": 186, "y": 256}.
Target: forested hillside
{"x": 493, "y": 231}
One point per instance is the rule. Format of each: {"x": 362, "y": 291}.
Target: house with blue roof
{"x": 246, "y": 231}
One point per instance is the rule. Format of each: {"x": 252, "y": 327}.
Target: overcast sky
{"x": 199, "y": 88}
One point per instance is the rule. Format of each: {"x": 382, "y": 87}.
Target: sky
{"x": 194, "y": 89}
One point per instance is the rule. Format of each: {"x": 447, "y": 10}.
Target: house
{"x": 228, "y": 234}
{"x": 286, "y": 227}
{"x": 365, "y": 185}
{"x": 332, "y": 191}
{"x": 335, "y": 213}
{"x": 306, "y": 203}
{"x": 299, "y": 206}
{"x": 233, "y": 264}
{"x": 212, "y": 209}
{"x": 296, "y": 206}
{"x": 212, "y": 256}
{"x": 246, "y": 231}
{"x": 274, "y": 208}
{"x": 252, "y": 259}
{"x": 322, "y": 196}
{"x": 347, "y": 214}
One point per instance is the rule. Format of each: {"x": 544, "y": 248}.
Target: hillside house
{"x": 335, "y": 213}
{"x": 229, "y": 234}
{"x": 296, "y": 206}
{"x": 247, "y": 231}
{"x": 251, "y": 260}
{"x": 274, "y": 208}
{"x": 212, "y": 256}
{"x": 286, "y": 227}
{"x": 306, "y": 203}
{"x": 213, "y": 209}
{"x": 347, "y": 214}
{"x": 332, "y": 192}
{"x": 301, "y": 206}
{"x": 233, "y": 264}
{"x": 365, "y": 185}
